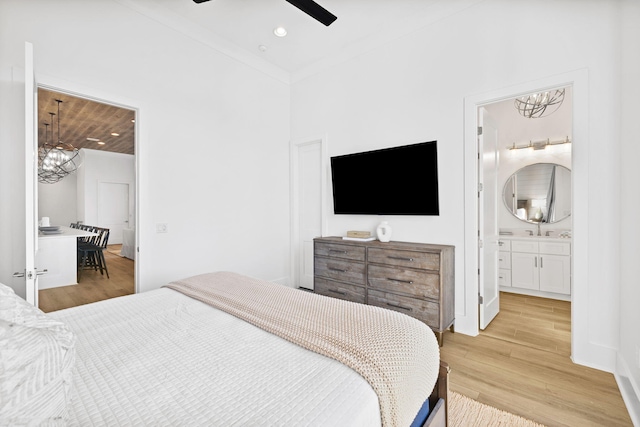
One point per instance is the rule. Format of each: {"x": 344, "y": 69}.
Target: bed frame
{"x": 438, "y": 401}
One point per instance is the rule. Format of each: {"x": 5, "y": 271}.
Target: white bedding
{"x": 161, "y": 358}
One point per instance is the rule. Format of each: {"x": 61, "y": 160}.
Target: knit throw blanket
{"x": 397, "y": 354}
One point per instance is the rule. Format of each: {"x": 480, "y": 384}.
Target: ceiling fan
{"x": 309, "y": 7}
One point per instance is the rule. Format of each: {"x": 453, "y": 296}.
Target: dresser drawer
{"x": 336, "y": 250}
{"x": 338, "y": 290}
{"x": 344, "y": 271}
{"x": 419, "y": 283}
{"x": 421, "y": 260}
{"x": 425, "y": 311}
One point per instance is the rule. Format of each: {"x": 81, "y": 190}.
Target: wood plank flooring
{"x": 93, "y": 286}
{"x": 521, "y": 364}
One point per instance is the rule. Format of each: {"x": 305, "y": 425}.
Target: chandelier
{"x": 55, "y": 159}
{"x": 539, "y": 104}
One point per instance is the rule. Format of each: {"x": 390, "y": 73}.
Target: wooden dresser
{"x": 413, "y": 278}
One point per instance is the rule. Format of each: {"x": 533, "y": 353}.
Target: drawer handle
{"x": 337, "y": 292}
{"x": 337, "y": 269}
{"x": 399, "y": 306}
{"x": 401, "y": 281}
{"x": 400, "y": 258}
{"x": 337, "y": 251}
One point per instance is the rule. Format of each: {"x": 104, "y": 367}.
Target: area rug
{"x": 466, "y": 412}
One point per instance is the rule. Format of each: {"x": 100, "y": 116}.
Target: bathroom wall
{"x": 513, "y": 128}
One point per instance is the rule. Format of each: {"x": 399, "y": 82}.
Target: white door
{"x": 31, "y": 187}
{"x": 113, "y": 209}
{"x": 488, "y": 218}
{"x": 308, "y": 192}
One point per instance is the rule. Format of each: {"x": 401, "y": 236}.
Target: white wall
{"x": 513, "y": 128}
{"x": 98, "y": 166}
{"x": 58, "y": 201}
{"x": 413, "y": 89}
{"x": 212, "y": 144}
{"x": 628, "y": 363}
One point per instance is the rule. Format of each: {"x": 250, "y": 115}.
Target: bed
{"x": 218, "y": 349}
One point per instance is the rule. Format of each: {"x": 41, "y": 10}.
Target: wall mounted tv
{"x": 393, "y": 181}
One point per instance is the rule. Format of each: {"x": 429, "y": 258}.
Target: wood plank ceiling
{"x": 81, "y": 119}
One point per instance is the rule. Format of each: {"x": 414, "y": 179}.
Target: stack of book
{"x": 360, "y": 236}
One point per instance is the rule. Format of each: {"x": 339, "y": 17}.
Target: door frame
{"x": 295, "y": 202}
{"x": 579, "y": 82}
{"x": 70, "y": 88}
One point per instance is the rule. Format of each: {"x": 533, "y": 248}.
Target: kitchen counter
{"x": 58, "y": 254}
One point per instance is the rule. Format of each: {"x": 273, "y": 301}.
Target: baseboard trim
{"x": 629, "y": 390}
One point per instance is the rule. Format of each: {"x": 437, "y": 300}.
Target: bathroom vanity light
{"x": 539, "y": 145}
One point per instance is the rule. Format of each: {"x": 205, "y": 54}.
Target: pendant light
{"x": 57, "y": 159}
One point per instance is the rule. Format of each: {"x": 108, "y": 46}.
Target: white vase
{"x": 384, "y": 231}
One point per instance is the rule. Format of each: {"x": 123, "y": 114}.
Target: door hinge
{"x": 479, "y": 130}
{"x": 480, "y": 299}
{"x": 480, "y": 186}
{"x": 478, "y": 272}
{"x": 480, "y": 243}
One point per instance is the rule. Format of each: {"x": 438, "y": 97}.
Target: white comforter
{"x": 161, "y": 358}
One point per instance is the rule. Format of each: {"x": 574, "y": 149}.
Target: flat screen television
{"x": 393, "y": 181}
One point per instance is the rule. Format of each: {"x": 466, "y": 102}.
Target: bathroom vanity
{"x": 533, "y": 265}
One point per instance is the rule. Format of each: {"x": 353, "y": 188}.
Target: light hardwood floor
{"x": 521, "y": 364}
{"x": 93, "y": 286}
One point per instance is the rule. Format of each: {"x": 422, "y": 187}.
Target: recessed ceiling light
{"x": 280, "y": 31}
{"x": 262, "y": 48}
{"x": 93, "y": 139}
{"x": 115, "y": 134}
{"x": 101, "y": 142}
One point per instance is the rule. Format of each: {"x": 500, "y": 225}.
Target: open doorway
{"x": 100, "y": 194}
{"x": 525, "y": 221}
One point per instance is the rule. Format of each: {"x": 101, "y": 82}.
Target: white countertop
{"x": 67, "y": 232}
{"x": 534, "y": 237}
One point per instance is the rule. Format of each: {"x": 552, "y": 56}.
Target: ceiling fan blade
{"x": 314, "y": 10}
{"x": 309, "y": 7}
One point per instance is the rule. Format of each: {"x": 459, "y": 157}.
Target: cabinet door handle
{"x": 337, "y": 269}
{"x": 337, "y": 292}
{"x": 401, "y": 281}
{"x": 541, "y": 266}
{"x": 399, "y": 306}
{"x": 400, "y": 258}
{"x": 337, "y": 251}
{"x": 535, "y": 260}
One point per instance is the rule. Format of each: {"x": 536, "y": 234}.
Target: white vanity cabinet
{"x": 540, "y": 265}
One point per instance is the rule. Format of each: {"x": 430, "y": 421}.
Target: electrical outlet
{"x": 162, "y": 227}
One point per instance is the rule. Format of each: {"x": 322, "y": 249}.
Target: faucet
{"x": 530, "y": 232}
{"x": 539, "y": 233}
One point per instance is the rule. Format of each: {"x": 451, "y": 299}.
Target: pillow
{"x": 37, "y": 354}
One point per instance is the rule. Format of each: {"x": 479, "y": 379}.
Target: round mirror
{"x": 540, "y": 192}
